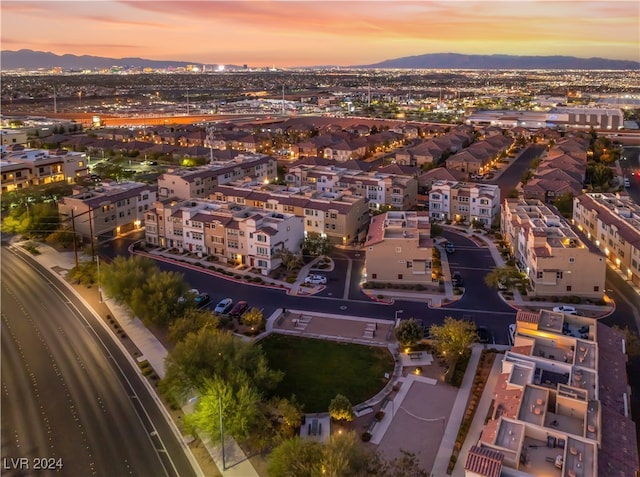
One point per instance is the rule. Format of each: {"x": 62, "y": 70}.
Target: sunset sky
{"x": 321, "y": 32}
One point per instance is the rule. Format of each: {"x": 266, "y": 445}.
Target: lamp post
{"x": 224, "y": 465}
{"x": 99, "y": 281}
{"x": 398, "y": 312}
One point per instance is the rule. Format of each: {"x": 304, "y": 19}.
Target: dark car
{"x": 201, "y": 299}
{"x": 238, "y": 309}
{"x": 449, "y": 247}
{"x": 484, "y": 336}
{"x": 456, "y": 279}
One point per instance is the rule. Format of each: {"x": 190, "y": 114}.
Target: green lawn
{"x": 317, "y": 370}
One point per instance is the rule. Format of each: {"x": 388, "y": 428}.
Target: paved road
{"x": 68, "y": 392}
{"x": 510, "y": 178}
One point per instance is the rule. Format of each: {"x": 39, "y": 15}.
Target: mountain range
{"x": 31, "y": 60}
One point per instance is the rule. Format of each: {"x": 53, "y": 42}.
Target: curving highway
{"x": 72, "y": 404}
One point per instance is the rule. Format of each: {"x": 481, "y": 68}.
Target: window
{"x": 261, "y": 238}
{"x": 398, "y": 249}
{"x": 540, "y": 275}
{"x": 409, "y": 264}
{"x": 374, "y": 276}
{"x": 568, "y": 288}
{"x": 572, "y": 260}
{"x": 559, "y": 275}
{"x": 399, "y": 276}
{"x": 596, "y": 289}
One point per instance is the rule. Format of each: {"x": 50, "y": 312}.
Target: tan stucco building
{"x": 557, "y": 260}
{"x": 399, "y": 248}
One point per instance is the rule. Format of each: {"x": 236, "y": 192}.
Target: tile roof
{"x": 528, "y": 316}
{"x": 484, "y": 461}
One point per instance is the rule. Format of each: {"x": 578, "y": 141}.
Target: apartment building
{"x": 561, "y": 403}
{"x": 464, "y": 202}
{"x": 558, "y": 260}
{"x": 199, "y": 182}
{"x": 399, "y": 192}
{"x": 342, "y": 218}
{"x": 23, "y": 168}
{"x": 229, "y": 231}
{"x": 399, "y": 248}
{"x": 612, "y": 223}
{"x": 108, "y": 210}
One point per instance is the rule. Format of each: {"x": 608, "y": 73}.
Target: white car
{"x": 223, "y": 306}
{"x": 315, "y": 280}
{"x": 569, "y": 310}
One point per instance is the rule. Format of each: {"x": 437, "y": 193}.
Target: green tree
{"x": 192, "y": 321}
{"x": 289, "y": 260}
{"x": 253, "y": 318}
{"x": 507, "y": 276}
{"x": 453, "y": 337}
{"x": 406, "y": 465}
{"x": 64, "y": 238}
{"x": 340, "y": 408}
{"x": 409, "y": 332}
{"x": 599, "y": 176}
{"x": 156, "y": 301}
{"x": 295, "y": 457}
{"x": 37, "y": 220}
{"x": 287, "y": 414}
{"x": 124, "y": 275}
{"x": 240, "y": 402}
{"x": 513, "y": 194}
{"x": 210, "y": 352}
{"x": 316, "y": 245}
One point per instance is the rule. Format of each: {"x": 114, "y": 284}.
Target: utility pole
{"x": 55, "y": 104}
{"x": 283, "y": 100}
{"x": 75, "y": 246}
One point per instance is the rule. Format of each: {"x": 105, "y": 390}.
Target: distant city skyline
{"x": 314, "y": 33}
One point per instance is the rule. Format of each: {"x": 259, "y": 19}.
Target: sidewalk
{"x": 455, "y": 419}
{"x": 154, "y": 352}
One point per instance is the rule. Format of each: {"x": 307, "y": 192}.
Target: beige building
{"x": 341, "y": 217}
{"x": 560, "y": 405}
{"x": 400, "y": 192}
{"x": 399, "y": 248}
{"x": 23, "y": 168}
{"x": 107, "y": 210}
{"x": 10, "y": 137}
{"x": 557, "y": 260}
{"x": 464, "y": 202}
{"x": 231, "y": 232}
{"x": 199, "y": 182}
{"x": 612, "y": 223}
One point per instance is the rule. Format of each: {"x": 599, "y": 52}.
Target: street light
{"x": 99, "y": 282}
{"x": 398, "y": 311}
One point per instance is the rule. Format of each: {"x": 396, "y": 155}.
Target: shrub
{"x": 366, "y": 436}
{"x": 601, "y": 302}
{"x": 554, "y": 299}
{"x": 379, "y": 415}
{"x": 575, "y": 299}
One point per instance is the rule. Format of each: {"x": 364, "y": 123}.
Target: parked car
{"x": 202, "y": 299}
{"x": 238, "y": 309}
{"x": 627, "y": 183}
{"x": 449, "y": 247}
{"x": 315, "y": 280}
{"x": 568, "y": 309}
{"x": 223, "y": 306}
{"x": 194, "y": 292}
{"x": 484, "y": 336}
{"x": 456, "y": 279}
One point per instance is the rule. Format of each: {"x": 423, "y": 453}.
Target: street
{"x": 68, "y": 392}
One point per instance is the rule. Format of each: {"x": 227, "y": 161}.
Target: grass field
{"x": 317, "y": 370}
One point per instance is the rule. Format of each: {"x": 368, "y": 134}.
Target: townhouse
{"x": 612, "y": 223}
{"x": 199, "y": 182}
{"x": 557, "y": 260}
{"x": 380, "y": 189}
{"x": 107, "y": 210}
{"x": 561, "y": 403}
{"x": 399, "y": 249}
{"x": 23, "y": 168}
{"x": 340, "y": 217}
{"x": 230, "y": 232}
{"x": 464, "y": 202}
